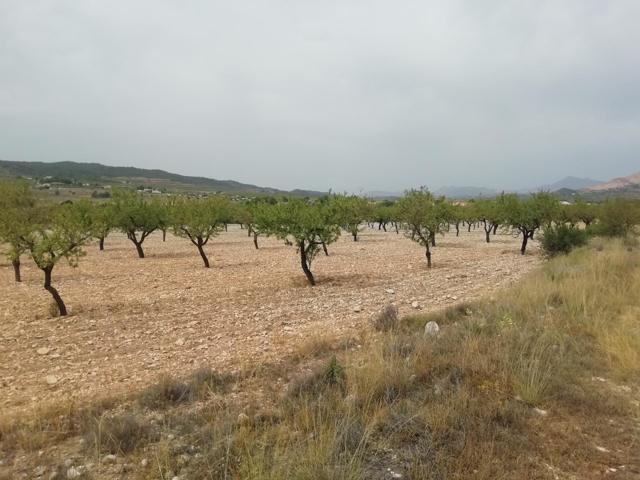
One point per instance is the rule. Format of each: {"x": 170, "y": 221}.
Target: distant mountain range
{"x": 98, "y": 174}
{"x": 571, "y": 183}
{"x": 465, "y": 192}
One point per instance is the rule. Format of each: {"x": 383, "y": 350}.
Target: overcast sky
{"x": 349, "y": 95}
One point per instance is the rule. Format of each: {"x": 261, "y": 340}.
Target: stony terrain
{"x": 132, "y": 319}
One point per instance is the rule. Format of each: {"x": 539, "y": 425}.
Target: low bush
{"x": 387, "y": 319}
{"x": 117, "y": 433}
{"x": 561, "y": 239}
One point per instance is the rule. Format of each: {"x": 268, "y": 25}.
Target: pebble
{"x": 51, "y": 379}
{"x": 415, "y": 304}
{"x": 390, "y": 290}
{"x": 357, "y": 308}
{"x": 539, "y": 411}
{"x": 144, "y": 462}
{"x": 180, "y": 342}
{"x": 43, "y": 350}
{"x": 109, "y": 459}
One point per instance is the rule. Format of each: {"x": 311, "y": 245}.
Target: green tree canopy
{"x": 199, "y": 220}
{"x": 136, "y": 217}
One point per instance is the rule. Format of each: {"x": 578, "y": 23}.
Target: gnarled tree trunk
{"x": 101, "y": 243}
{"x": 202, "y": 254}
{"x": 62, "y": 309}
{"x": 304, "y": 264}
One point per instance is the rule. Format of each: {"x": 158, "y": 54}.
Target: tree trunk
{"x": 202, "y": 254}
{"x": 433, "y": 240}
{"x": 397, "y": 229}
{"x": 255, "y": 240}
{"x": 525, "y": 239}
{"x": 487, "y": 232}
{"x": 16, "y": 269}
{"x": 531, "y": 234}
{"x": 164, "y": 235}
{"x": 428, "y": 255}
{"x": 457, "y": 229}
{"x": 495, "y": 228}
{"x": 304, "y": 265}
{"x": 324, "y": 248}
{"x": 54, "y": 293}
{"x": 139, "y": 248}
{"x": 226, "y": 227}
{"x": 469, "y": 229}
{"x": 355, "y": 236}
{"x": 384, "y": 226}
{"x": 101, "y": 244}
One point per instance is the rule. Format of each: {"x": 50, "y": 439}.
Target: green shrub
{"x": 562, "y": 239}
{"x": 619, "y": 217}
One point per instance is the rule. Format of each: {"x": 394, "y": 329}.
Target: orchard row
{"x": 49, "y": 233}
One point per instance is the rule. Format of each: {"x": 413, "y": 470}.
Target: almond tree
{"x": 54, "y": 234}
{"x": 102, "y": 222}
{"x": 350, "y": 212}
{"x": 254, "y": 213}
{"x": 199, "y": 220}
{"x": 136, "y": 218}
{"x": 16, "y": 200}
{"x": 531, "y": 214}
{"x": 421, "y": 218}
{"x": 301, "y": 224}
{"x": 491, "y": 214}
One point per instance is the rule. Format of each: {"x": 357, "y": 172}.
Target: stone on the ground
{"x": 43, "y": 350}
{"x": 415, "y": 304}
{"x": 51, "y": 379}
{"x": 431, "y": 329}
{"x": 109, "y": 459}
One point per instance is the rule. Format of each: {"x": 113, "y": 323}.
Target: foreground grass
{"x": 541, "y": 382}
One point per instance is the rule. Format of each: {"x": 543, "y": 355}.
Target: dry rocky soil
{"x": 133, "y": 319}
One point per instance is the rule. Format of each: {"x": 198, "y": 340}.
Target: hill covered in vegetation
{"x": 96, "y": 174}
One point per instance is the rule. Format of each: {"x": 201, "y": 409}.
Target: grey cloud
{"x": 344, "y": 95}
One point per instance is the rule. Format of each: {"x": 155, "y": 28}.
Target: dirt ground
{"x": 132, "y": 319}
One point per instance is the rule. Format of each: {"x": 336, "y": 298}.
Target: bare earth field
{"x": 132, "y": 319}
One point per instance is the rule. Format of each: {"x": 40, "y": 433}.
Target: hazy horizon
{"x": 348, "y": 96}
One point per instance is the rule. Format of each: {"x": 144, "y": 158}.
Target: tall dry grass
{"x": 464, "y": 404}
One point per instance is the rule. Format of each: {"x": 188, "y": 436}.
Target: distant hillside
{"x": 571, "y": 183}
{"x": 628, "y": 182}
{"x": 95, "y": 173}
{"x": 465, "y": 192}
